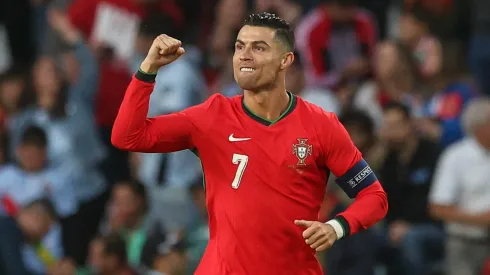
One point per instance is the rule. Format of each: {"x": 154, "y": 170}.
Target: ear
{"x": 287, "y": 60}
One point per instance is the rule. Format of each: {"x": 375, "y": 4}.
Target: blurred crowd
{"x": 409, "y": 79}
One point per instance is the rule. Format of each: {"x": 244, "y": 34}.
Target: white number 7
{"x": 241, "y": 160}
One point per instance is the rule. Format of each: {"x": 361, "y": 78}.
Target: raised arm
{"x": 132, "y": 130}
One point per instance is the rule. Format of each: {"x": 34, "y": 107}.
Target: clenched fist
{"x": 319, "y": 236}
{"x": 163, "y": 51}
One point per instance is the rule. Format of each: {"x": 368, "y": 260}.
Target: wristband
{"x": 339, "y": 230}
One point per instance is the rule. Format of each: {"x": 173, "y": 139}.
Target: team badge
{"x": 302, "y": 150}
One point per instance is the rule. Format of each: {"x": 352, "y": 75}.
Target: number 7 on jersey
{"x": 241, "y": 160}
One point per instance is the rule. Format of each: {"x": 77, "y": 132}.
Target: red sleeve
{"x": 133, "y": 131}
{"x": 367, "y": 31}
{"x": 315, "y": 52}
{"x": 345, "y": 161}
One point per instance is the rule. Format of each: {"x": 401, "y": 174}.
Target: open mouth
{"x": 247, "y": 69}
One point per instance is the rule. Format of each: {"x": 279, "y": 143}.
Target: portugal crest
{"x": 302, "y": 150}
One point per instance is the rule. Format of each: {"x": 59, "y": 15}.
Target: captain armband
{"x": 356, "y": 179}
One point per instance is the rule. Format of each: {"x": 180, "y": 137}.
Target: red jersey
{"x": 259, "y": 175}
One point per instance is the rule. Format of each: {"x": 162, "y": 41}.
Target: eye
{"x": 259, "y": 49}
{"x": 238, "y": 46}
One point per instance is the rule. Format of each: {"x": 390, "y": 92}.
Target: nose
{"x": 246, "y": 55}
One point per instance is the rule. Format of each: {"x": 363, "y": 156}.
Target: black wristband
{"x": 145, "y": 77}
{"x": 345, "y": 225}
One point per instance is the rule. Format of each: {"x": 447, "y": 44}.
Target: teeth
{"x": 247, "y": 69}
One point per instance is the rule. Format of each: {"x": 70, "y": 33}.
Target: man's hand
{"x": 163, "y": 51}
{"x": 398, "y": 230}
{"x": 60, "y": 23}
{"x": 319, "y": 236}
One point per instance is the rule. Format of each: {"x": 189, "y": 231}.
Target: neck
{"x": 267, "y": 104}
{"x": 408, "y": 149}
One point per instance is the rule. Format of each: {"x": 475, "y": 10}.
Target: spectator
{"x": 361, "y": 129}
{"x": 127, "y": 214}
{"x": 318, "y": 96}
{"x": 65, "y": 111}
{"x": 108, "y": 256}
{"x": 396, "y": 74}
{"x": 336, "y": 41}
{"x": 32, "y": 178}
{"x": 164, "y": 254}
{"x": 460, "y": 196}
{"x": 13, "y": 94}
{"x": 438, "y": 108}
{"x": 411, "y": 238}
{"x": 30, "y": 226}
{"x": 427, "y": 50}
{"x": 197, "y": 233}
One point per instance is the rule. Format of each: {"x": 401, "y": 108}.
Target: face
{"x": 35, "y": 222}
{"x": 31, "y": 157}
{"x": 47, "y": 82}
{"x": 259, "y": 59}
{"x": 396, "y": 128}
{"x": 10, "y": 92}
{"x": 96, "y": 255}
{"x": 125, "y": 204}
{"x": 385, "y": 60}
{"x": 410, "y": 28}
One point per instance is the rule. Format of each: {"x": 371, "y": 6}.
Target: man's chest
{"x": 284, "y": 156}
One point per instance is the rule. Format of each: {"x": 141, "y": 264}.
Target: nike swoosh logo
{"x": 233, "y": 139}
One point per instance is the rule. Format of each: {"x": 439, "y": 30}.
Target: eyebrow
{"x": 254, "y": 42}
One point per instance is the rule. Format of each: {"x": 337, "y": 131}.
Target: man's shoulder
{"x": 315, "y": 112}
{"x": 9, "y": 170}
{"x": 460, "y": 150}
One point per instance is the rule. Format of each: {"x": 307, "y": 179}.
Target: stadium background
{"x": 64, "y": 67}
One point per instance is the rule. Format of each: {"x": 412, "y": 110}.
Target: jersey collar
{"x": 266, "y": 122}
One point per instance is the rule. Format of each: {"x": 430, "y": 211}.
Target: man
{"x": 32, "y": 178}
{"x": 28, "y": 227}
{"x": 266, "y": 157}
{"x": 460, "y": 195}
{"x": 108, "y": 256}
{"x": 127, "y": 215}
{"x": 412, "y": 240}
{"x": 164, "y": 255}
{"x": 336, "y": 41}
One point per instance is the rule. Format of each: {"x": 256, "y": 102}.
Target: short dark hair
{"x": 138, "y": 189}
{"x": 34, "y": 135}
{"x": 284, "y": 31}
{"x": 358, "y": 118}
{"x": 397, "y": 106}
{"x": 114, "y": 245}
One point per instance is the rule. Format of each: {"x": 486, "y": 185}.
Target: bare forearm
{"x": 453, "y": 214}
